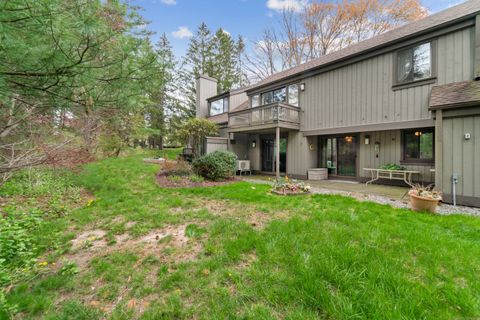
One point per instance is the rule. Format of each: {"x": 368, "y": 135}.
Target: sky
{"x": 179, "y": 19}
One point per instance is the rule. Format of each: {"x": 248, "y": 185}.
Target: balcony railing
{"x": 268, "y": 114}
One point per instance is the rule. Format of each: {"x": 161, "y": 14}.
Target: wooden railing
{"x": 266, "y": 114}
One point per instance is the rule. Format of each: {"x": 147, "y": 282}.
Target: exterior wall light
{"x": 349, "y": 138}
{"x": 254, "y": 144}
{"x": 367, "y": 140}
{"x": 302, "y": 86}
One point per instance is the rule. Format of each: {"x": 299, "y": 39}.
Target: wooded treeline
{"x": 80, "y": 78}
{"x": 322, "y": 27}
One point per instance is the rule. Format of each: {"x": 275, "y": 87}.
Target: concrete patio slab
{"x": 392, "y": 192}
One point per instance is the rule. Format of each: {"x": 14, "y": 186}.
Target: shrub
{"x": 218, "y": 165}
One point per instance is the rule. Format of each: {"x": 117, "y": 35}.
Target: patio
{"x": 344, "y": 186}
{"x": 383, "y": 194}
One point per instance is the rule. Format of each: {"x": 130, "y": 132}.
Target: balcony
{"x": 265, "y": 117}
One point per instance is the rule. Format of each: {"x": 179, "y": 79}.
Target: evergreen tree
{"x": 240, "y": 50}
{"x": 163, "y": 101}
{"x": 217, "y": 56}
{"x": 224, "y": 60}
{"x": 199, "y": 55}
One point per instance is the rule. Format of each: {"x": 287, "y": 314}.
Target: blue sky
{"x": 179, "y": 18}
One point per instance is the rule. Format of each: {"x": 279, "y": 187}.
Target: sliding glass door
{"x": 339, "y": 155}
{"x": 268, "y": 154}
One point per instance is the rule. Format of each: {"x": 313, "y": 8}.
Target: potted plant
{"x": 424, "y": 198}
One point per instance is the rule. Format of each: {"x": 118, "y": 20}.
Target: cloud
{"x": 169, "y": 2}
{"x": 280, "y": 5}
{"x": 182, "y": 32}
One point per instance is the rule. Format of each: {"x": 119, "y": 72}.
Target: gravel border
{"x": 442, "y": 209}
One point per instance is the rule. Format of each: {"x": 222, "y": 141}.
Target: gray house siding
{"x": 254, "y": 153}
{"x": 214, "y": 144}
{"x": 239, "y": 145}
{"x": 300, "y": 157}
{"x": 461, "y": 156}
{"x": 362, "y": 94}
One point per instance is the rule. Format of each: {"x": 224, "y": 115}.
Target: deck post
{"x": 277, "y": 152}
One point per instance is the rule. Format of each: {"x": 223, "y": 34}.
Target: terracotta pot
{"x": 423, "y": 204}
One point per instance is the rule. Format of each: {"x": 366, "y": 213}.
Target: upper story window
{"x": 218, "y": 106}
{"x": 414, "y": 63}
{"x": 277, "y": 95}
{"x": 255, "y": 100}
{"x": 285, "y": 94}
{"x": 418, "y": 145}
{"x": 293, "y": 95}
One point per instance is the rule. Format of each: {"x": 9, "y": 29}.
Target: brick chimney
{"x": 206, "y": 88}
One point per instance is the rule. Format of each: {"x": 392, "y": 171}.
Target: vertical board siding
{"x": 215, "y": 145}
{"x": 462, "y": 156}
{"x": 254, "y": 153}
{"x": 362, "y": 93}
{"x": 241, "y": 145}
{"x": 390, "y": 152}
{"x": 299, "y": 156}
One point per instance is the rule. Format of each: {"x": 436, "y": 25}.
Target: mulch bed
{"x": 185, "y": 182}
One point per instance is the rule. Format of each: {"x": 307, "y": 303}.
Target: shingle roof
{"x": 458, "y": 94}
{"x": 468, "y": 8}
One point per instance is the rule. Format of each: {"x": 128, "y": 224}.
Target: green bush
{"x": 218, "y": 165}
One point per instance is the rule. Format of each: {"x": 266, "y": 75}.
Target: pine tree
{"x": 240, "y": 50}
{"x": 217, "y": 56}
{"x": 163, "y": 101}
{"x": 199, "y": 55}
{"x": 224, "y": 60}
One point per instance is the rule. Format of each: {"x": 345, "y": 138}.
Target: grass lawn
{"x": 235, "y": 251}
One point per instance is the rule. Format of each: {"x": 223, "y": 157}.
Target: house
{"x": 409, "y": 96}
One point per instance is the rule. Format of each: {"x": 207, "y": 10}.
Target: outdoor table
{"x": 405, "y": 175}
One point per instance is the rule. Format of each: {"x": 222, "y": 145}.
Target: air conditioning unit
{"x": 243, "y": 166}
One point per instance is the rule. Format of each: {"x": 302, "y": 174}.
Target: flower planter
{"x": 423, "y": 204}
{"x": 289, "y": 192}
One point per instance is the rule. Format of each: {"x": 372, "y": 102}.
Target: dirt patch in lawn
{"x": 89, "y": 239}
{"x": 240, "y": 211}
{"x": 169, "y": 244}
{"x": 169, "y": 181}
